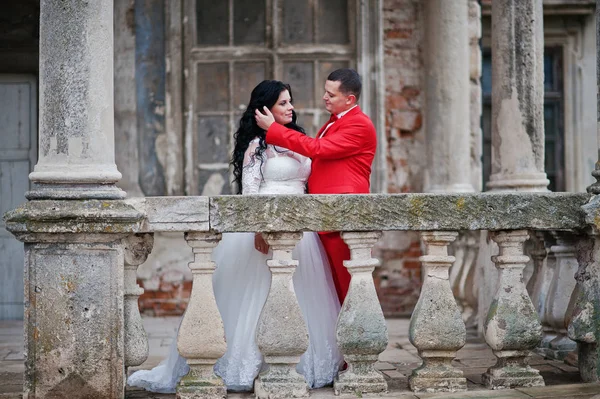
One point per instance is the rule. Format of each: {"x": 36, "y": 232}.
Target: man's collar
{"x": 346, "y": 111}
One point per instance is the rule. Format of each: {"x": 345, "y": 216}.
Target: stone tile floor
{"x": 396, "y": 362}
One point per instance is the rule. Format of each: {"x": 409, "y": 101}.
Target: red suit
{"x": 341, "y": 164}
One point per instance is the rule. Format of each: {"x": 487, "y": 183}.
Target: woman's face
{"x": 282, "y": 110}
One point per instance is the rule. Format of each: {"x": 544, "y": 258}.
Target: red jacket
{"x": 341, "y": 159}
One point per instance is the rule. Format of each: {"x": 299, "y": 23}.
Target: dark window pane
{"x": 486, "y": 118}
{"x": 246, "y": 76}
{"x": 486, "y": 74}
{"x": 301, "y": 78}
{"x": 212, "y": 144}
{"x": 297, "y": 24}
{"x": 214, "y": 182}
{"x": 550, "y": 159}
{"x": 333, "y": 22}
{"x": 213, "y": 88}
{"x": 212, "y": 23}
{"x": 248, "y": 22}
{"x": 550, "y": 122}
{"x": 549, "y": 71}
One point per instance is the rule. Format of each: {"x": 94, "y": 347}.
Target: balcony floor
{"x": 396, "y": 362}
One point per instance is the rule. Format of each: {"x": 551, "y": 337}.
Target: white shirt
{"x": 339, "y": 116}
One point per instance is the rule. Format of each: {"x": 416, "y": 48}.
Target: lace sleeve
{"x": 252, "y": 169}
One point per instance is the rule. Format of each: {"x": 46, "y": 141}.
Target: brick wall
{"x": 398, "y": 280}
{"x": 169, "y": 299}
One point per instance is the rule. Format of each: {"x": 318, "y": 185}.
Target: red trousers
{"x": 337, "y": 252}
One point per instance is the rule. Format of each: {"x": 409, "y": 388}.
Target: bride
{"x": 242, "y": 279}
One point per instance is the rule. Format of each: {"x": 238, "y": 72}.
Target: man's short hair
{"x": 350, "y": 82}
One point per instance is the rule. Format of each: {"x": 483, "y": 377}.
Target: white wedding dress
{"x": 241, "y": 283}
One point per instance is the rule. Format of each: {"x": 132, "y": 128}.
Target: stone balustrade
{"x": 437, "y": 328}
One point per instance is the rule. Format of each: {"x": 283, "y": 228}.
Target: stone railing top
{"x": 479, "y": 211}
{"x": 418, "y": 212}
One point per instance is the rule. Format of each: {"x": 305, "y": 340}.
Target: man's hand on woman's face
{"x": 264, "y": 120}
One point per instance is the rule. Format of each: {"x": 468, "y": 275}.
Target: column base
{"x": 436, "y": 384}
{"x": 512, "y": 377}
{"x": 201, "y": 383}
{"x": 437, "y": 374}
{"x": 75, "y": 191}
{"x": 544, "y": 345}
{"x": 451, "y": 188}
{"x": 537, "y": 182}
{"x": 365, "y": 382}
{"x": 279, "y": 382}
{"x": 560, "y": 347}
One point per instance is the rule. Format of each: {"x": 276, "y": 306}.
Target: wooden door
{"x": 18, "y": 154}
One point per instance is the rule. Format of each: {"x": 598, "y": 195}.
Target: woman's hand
{"x": 260, "y": 244}
{"x": 264, "y": 119}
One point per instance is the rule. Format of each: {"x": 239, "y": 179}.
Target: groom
{"x": 342, "y": 154}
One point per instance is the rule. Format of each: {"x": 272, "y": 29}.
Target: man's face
{"x": 336, "y": 101}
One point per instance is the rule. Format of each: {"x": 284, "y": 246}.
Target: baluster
{"x": 361, "y": 329}
{"x": 542, "y": 295}
{"x": 581, "y": 327}
{"x": 512, "y": 326}
{"x": 559, "y": 294}
{"x": 201, "y": 338}
{"x": 537, "y": 286}
{"x": 436, "y": 326}
{"x": 281, "y": 333}
{"x": 466, "y": 288}
{"x": 137, "y": 248}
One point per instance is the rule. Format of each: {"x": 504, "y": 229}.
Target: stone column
{"x": 517, "y": 96}
{"x": 559, "y": 295}
{"x": 137, "y": 248}
{"x": 281, "y": 334}
{"x": 76, "y": 118}
{"x": 595, "y": 187}
{"x": 447, "y": 96}
{"x": 512, "y": 327}
{"x": 436, "y": 326}
{"x": 201, "y": 337}
{"x": 361, "y": 329}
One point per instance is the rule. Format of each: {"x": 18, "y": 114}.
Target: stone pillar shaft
{"x": 517, "y": 96}
{"x": 201, "y": 337}
{"x": 436, "y": 326}
{"x": 595, "y": 187}
{"x": 448, "y": 96}
{"x": 76, "y": 117}
{"x": 281, "y": 333}
{"x": 512, "y": 327}
{"x": 361, "y": 329}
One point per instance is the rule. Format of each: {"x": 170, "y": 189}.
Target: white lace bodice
{"x": 280, "y": 171}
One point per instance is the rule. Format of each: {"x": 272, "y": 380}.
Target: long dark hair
{"x": 265, "y": 94}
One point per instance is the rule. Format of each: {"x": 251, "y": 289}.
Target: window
{"x": 553, "y": 117}
{"x": 232, "y": 45}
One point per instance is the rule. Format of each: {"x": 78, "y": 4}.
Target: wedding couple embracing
{"x": 272, "y": 155}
